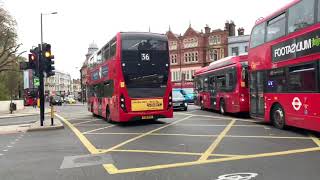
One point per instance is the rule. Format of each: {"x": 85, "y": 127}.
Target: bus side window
{"x": 108, "y": 88}
{"x": 244, "y": 77}
{"x": 205, "y": 84}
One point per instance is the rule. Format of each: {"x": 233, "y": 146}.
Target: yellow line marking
{"x": 156, "y": 152}
{"x": 90, "y": 125}
{"x": 217, "y": 141}
{"x": 268, "y": 137}
{"x": 218, "y": 125}
{"x": 115, "y": 133}
{"x": 86, "y": 122}
{"x": 204, "y": 135}
{"x": 188, "y": 135}
{"x": 218, "y": 118}
{"x": 315, "y": 140}
{"x": 98, "y": 129}
{"x": 81, "y": 137}
{"x": 145, "y": 134}
{"x": 167, "y": 152}
{"x": 113, "y": 170}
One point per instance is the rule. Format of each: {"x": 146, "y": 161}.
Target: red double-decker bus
{"x": 129, "y": 78}
{"x": 284, "y": 60}
{"x": 223, "y": 85}
{"x": 29, "y": 96}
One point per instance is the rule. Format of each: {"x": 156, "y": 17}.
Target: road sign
{"x": 36, "y": 81}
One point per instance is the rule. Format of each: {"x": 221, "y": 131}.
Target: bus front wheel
{"x": 278, "y": 117}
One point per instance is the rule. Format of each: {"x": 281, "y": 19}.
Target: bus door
{"x": 213, "y": 92}
{"x": 256, "y": 94}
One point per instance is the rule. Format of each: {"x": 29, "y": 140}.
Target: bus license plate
{"x": 147, "y": 105}
{"x": 147, "y": 117}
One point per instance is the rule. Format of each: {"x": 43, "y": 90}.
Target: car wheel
{"x": 222, "y": 107}
{"x": 278, "y": 117}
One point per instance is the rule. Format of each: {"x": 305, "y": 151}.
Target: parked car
{"x": 188, "y": 94}
{"x": 70, "y": 100}
{"x": 179, "y": 101}
{"x": 56, "y": 100}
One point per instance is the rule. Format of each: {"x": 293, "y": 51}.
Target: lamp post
{"x": 41, "y": 87}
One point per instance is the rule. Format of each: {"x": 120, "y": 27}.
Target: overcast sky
{"x": 80, "y": 22}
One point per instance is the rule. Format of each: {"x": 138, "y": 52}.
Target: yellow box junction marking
{"x": 315, "y": 140}
{"x": 82, "y": 138}
{"x": 215, "y": 144}
{"x": 145, "y": 134}
{"x": 113, "y": 170}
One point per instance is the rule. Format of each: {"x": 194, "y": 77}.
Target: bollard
{"x": 52, "y": 114}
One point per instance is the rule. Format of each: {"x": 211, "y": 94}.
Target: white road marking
{"x": 5, "y": 150}
{"x": 9, "y": 146}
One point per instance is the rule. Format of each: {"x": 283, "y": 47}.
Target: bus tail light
{"x": 242, "y": 99}
{"x": 170, "y": 101}
{"x": 123, "y": 103}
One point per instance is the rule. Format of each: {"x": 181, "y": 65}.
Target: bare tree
{"x": 8, "y": 41}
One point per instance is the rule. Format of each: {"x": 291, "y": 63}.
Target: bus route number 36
{"x": 145, "y": 57}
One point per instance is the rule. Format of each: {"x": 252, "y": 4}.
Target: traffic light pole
{"x": 41, "y": 87}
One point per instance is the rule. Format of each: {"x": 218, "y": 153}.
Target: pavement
{"x": 27, "y": 111}
{"x": 193, "y": 145}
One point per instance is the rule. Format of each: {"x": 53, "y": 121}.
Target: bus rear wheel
{"x": 278, "y": 117}
{"x": 108, "y": 115}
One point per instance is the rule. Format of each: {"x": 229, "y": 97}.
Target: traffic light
{"x": 48, "y": 60}
{"x": 33, "y": 61}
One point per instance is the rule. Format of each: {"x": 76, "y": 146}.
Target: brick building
{"x": 193, "y": 50}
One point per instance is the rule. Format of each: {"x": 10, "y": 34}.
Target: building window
{"x": 173, "y": 45}
{"x": 246, "y": 49}
{"x": 190, "y": 42}
{"x": 196, "y": 56}
{"x": 214, "y": 40}
{"x": 213, "y": 55}
{"x": 173, "y": 59}
{"x": 235, "y": 51}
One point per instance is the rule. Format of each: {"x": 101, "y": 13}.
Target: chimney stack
{"x": 241, "y": 31}
{"x": 207, "y": 29}
{"x": 232, "y": 29}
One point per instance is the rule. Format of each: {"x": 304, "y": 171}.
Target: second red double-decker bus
{"x": 223, "y": 85}
{"x": 284, "y": 60}
{"x": 30, "y": 96}
{"x": 129, "y": 78}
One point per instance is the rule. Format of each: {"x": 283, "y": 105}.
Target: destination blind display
{"x": 297, "y": 47}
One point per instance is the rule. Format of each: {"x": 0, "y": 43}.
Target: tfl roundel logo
{"x": 296, "y": 103}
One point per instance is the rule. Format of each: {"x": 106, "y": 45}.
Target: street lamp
{"x": 43, "y": 14}
{"x": 41, "y": 87}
